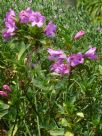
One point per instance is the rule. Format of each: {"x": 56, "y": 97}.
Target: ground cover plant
{"x": 50, "y": 70}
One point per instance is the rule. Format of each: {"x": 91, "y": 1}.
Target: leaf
{"x": 64, "y": 122}
{"x": 12, "y": 44}
{"x": 43, "y": 42}
{"x": 69, "y": 134}
{"x": 13, "y": 130}
{"x": 57, "y": 132}
{"x": 27, "y": 129}
{"x": 3, "y": 106}
{"x": 39, "y": 84}
{"x": 3, "y": 109}
{"x": 22, "y": 50}
{"x": 100, "y": 69}
{"x": 3, "y": 113}
{"x": 80, "y": 114}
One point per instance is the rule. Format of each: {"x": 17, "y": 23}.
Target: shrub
{"x": 50, "y": 71}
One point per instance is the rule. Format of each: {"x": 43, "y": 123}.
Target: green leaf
{"x": 3, "y": 113}
{"x": 69, "y": 134}
{"x": 100, "y": 69}
{"x": 80, "y": 114}
{"x": 64, "y": 122}
{"x": 3, "y": 109}
{"x": 22, "y": 50}
{"x": 13, "y": 130}
{"x": 57, "y": 132}
{"x": 39, "y": 84}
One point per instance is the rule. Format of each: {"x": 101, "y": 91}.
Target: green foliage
{"x": 94, "y": 8}
{"x": 3, "y": 109}
{"x": 44, "y": 103}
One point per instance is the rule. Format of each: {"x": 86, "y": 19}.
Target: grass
{"x": 46, "y": 104}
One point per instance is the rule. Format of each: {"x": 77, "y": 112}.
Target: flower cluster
{"x": 60, "y": 66}
{"x": 10, "y": 25}
{"x": 27, "y": 16}
{"x": 5, "y": 91}
{"x": 63, "y": 64}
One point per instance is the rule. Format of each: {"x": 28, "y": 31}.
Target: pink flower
{"x": 29, "y": 16}
{"x": 79, "y": 35}
{"x": 37, "y": 19}
{"x": 60, "y": 68}
{"x": 25, "y": 15}
{"x": 75, "y": 59}
{"x": 2, "y": 93}
{"x": 10, "y": 16}
{"x": 30, "y": 1}
{"x": 91, "y": 53}
{"x": 50, "y": 29}
{"x": 7, "y": 88}
{"x": 10, "y": 25}
{"x": 56, "y": 54}
{"x": 6, "y": 35}
{"x": 99, "y": 28}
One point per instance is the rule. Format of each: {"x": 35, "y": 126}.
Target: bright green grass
{"x": 50, "y": 105}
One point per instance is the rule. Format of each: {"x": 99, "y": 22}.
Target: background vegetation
{"x": 46, "y": 104}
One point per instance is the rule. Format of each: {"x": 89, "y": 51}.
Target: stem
{"x": 15, "y": 122}
{"x": 38, "y": 124}
{"x": 33, "y": 105}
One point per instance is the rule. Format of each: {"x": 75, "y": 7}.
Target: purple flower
{"x": 6, "y": 35}
{"x": 10, "y": 16}
{"x": 37, "y": 19}
{"x": 56, "y": 54}
{"x": 75, "y": 59}
{"x": 29, "y": 16}
{"x": 90, "y": 53}
{"x": 99, "y": 28}
{"x": 2, "y": 93}
{"x": 7, "y": 88}
{"x": 25, "y": 15}
{"x": 10, "y": 19}
{"x": 79, "y": 34}
{"x": 60, "y": 68}
{"x": 30, "y": 1}
{"x": 10, "y": 25}
{"x": 50, "y": 29}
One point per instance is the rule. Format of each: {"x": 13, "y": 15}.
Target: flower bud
{"x": 7, "y": 88}
{"x": 2, "y": 93}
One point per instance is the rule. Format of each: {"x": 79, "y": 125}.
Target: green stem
{"x": 38, "y": 124}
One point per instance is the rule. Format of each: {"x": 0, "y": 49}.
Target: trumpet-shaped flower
{"x": 6, "y": 35}
{"x": 10, "y": 25}
{"x": 29, "y": 16}
{"x": 56, "y": 54}
{"x": 79, "y": 35}
{"x": 75, "y": 59}
{"x": 60, "y": 68}
{"x": 50, "y": 29}
{"x": 37, "y": 19}
{"x": 99, "y": 28}
{"x": 10, "y": 16}
{"x": 91, "y": 53}
{"x": 7, "y": 88}
{"x": 25, "y": 15}
{"x": 3, "y": 94}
